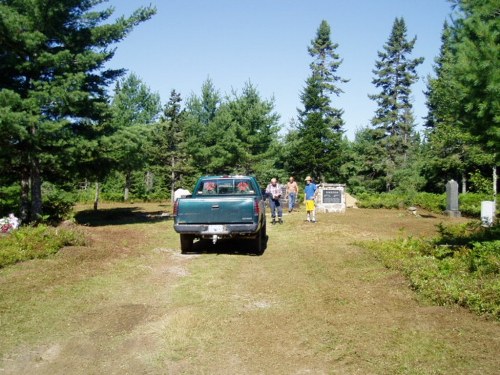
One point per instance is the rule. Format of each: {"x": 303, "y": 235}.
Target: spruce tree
{"x": 169, "y": 145}
{"x": 451, "y": 151}
{"x": 393, "y": 122}
{"x": 53, "y": 84}
{"x": 476, "y": 70}
{"x": 256, "y": 126}
{"x": 134, "y": 109}
{"x": 320, "y": 125}
{"x": 230, "y": 135}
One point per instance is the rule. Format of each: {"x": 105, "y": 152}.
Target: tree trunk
{"x": 96, "y": 196}
{"x": 172, "y": 178}
{"x": 464, "y": 184}
{"x": 495, "y": 179}
{"x": 149, "y": 182}
{"x": 127, "y": 186}
{"x": 36, "y": 191}
{"x": 24, "y": 210}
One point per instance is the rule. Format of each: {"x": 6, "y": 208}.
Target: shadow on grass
{"x": 228, "y": 246}
{"x": 119, "y": 216}
{"x": 428, "y": 216}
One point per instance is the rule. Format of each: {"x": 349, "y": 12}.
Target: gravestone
{"x": 487, "y": 213}
{"x": 284, "y": 200}
{"x": 452, "y": 199}
{"x": 331, "y": 198}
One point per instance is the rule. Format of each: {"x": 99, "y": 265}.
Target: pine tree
{"x": 256, "y": 127}
{"x": 320, "y": 125}
{"x": 134, "y": 108}
{"x": 476, "y": 71}
{"x": 231, "y": 135}
{"x": 53, "y": 86}
{"x": 169, "y": 146}
{"x": 451, "y": 152}
{"x": 477, "y": 67}
{"x": 202, "y": 136}
{"x": 393, "y": 122}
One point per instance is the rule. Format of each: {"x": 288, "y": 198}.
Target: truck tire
{"x": 186, "y": 243}
{"x": 259, "y": 241}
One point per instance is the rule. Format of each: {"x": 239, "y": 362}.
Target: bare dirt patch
{"x": 313, "y": 303}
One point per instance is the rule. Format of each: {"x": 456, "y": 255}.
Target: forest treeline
{"x": 62, "y": 133}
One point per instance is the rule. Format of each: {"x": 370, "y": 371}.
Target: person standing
{"x": 311, "y": 191}
{"x": 292, "y": 191}
{"x": 274, "y": 192}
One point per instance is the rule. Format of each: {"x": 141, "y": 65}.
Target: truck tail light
{"x": 176, "y": 207}
{"x": 256, "y": 207}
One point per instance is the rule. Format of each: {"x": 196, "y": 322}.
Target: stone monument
{"x": 331, "y": 198}
{"x": 452, "y": 199}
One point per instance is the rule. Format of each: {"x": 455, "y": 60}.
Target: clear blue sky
{"x": 265, "y": 42}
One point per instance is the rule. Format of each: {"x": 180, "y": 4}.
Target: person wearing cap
{"x": 311, "y": 191}
{"x": 274, "y": 192}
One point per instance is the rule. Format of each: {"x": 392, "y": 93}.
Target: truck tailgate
{"x": 230, "y": 210}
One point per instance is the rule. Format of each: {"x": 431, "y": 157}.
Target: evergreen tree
{"x": 134, "y": 103}
{"x": 200, "y": 112}
{"x": 231, "y": 135}
{"x": 393, "y": 122}
{"x": 169, "y": 146}
{"x": 451, "y": 152}
{"x": 476, "y": 70}
{"x": 134, "y": 108}
{"x": 320, "y": 125}
{"x": 53, "y": 86}
{"x": 368, "y": 168}
{"x": 256, "y": 127}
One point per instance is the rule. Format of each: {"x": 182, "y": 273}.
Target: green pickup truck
{"x": 222, "y": 207}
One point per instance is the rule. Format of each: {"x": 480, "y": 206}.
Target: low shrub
{"x": 36, "y": 242}
{"x": 461, "y": 266}
{"x": 57, "y": 203}
{"x": 431, "y": 202}
{"x": 380, "y": 200}
{"x": 469, "y": 203}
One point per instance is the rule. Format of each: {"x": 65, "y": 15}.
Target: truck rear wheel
{"x": 259, "y": 241}
{"x": 186, "y": 243}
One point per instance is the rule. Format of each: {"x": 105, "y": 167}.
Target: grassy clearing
{"x": 60, "y": 295}
{"x": 460, "y": 266}
{"x": 129, "y": 302}
{"x": 311, "y": 304}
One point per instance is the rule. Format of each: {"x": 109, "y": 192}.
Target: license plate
{"x": 215, "y": 229}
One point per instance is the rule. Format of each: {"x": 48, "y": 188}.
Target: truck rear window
{"x": 225, "y": 186}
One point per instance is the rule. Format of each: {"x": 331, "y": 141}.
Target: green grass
{"x": 461, "y": 266}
